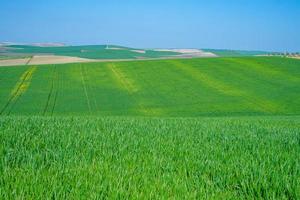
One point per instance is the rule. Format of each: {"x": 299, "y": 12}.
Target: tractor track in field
{"x": 54, "y": 103}
{"x": 17, "y": 93}
{"x": 53, "y": 78}
{"x": 29, "y": 60}
{"x": 155, "y": 110}
{"x": 58, "y": 82}
{"x": 85, "y": 88}
{"x": 125, "y": 82}
{"x": 90, "y": 88}
{"x": 131, "y": 88}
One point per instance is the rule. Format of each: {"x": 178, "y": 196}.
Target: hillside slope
{"x": 194, "y": 87}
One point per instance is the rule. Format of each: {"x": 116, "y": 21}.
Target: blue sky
{"x": 224, "y": 24}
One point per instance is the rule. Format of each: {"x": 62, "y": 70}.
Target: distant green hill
{"x": 109, "y": 52}
{"x": 91, "y": 51}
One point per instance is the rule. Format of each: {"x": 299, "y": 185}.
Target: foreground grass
{"x": 137, "y": 158}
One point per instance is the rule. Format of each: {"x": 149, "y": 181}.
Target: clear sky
{"x": 231, "y": 24}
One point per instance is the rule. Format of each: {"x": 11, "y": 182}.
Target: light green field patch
{"x": 258, "y": 103}
{"x": 22, "y": 84}
{"x": 263, "y": 69}
{"x": 148, "y": 111}
{"x": 207, "y": 80}
{"x": 130, "y": 86}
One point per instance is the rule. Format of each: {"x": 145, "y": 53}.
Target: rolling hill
{"x": 193, "y": 87}
{"x": 212, "y": 128}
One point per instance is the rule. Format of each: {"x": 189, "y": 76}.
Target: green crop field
{"x": 138, "y": 158}
{"x": 190, "y": 88}
{"x": 210, "y": 128}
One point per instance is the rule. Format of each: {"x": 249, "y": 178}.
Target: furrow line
{"x": 58, "y": 81}
{"x": 85, "y": 89}
{"x": 51, "y": 91}
{"x": 91, "y": 88}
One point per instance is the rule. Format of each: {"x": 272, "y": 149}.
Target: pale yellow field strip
{"x": 23, "y": 83}
{"x": 150, "y": 111}
{"x": 266, "y": 70}
{"x": 130, "y": 86}
{"x": 123, "y": 80}
{"x": 209, "y": 81}
{"x": 260, "y": 103}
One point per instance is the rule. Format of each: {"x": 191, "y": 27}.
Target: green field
{"x": 210, "y": 128}
{"x": 143, "y": 158}
{"x": 175, "y": 88}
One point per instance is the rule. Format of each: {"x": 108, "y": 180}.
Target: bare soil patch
{"x": 189, "y": 53}
{"x": 138, "y": 51}
{"x": 44, "y": 59}
{"x": 13, "y": 62}
{"x": 295, "y": 57}
{"x": 51, "y": 59}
